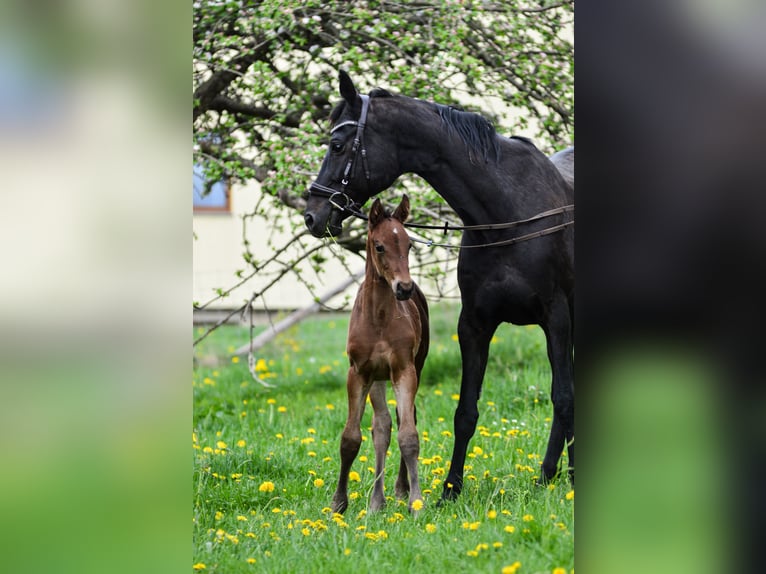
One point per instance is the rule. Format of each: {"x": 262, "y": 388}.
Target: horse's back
{"x": 564, "y": 162}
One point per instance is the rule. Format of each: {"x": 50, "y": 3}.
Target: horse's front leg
{"x": 405, "y": 383}
{"x": 381, "y": 438}
{"x": 474, "y": 349}
{"x": 558, "y": 332}
{"x": 351, "y": 439}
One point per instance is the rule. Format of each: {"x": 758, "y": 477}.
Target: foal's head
{"x": 388, "y": 247}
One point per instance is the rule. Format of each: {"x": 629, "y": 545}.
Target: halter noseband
{"x": 339, "y": 199}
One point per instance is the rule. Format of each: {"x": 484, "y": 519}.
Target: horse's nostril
{"x": 309, "y": 219}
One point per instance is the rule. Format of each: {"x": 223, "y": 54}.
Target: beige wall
{"x": 218, "y": 255}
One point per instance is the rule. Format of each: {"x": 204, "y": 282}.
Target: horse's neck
{"x": 474, "y": 191}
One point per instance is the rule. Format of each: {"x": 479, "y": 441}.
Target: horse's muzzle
{"x": 322, "y": 226}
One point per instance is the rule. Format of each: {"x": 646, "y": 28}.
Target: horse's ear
{"x": 402, "y": 212}
{"x": 377, "y": 213}
{"x": 347, "y": 89}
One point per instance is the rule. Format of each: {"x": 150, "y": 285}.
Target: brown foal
{"x": 387, "y": 340}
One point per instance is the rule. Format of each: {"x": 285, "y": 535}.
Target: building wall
{"x": 218, "y": 252}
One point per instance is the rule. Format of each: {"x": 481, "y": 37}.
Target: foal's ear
{"x": 403, "y": 211}
{"x": 347, "y": 89}
{"x": 377, "y": 213}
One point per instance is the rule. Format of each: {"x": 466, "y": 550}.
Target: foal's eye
{"x": 337, "y": 147}
{"x": 379, "y": 248}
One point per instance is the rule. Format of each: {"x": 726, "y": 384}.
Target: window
{"x": 214, "y": 199}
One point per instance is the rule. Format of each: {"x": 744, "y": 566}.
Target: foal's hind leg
{"x": 351, "y": 439}
{"x": 405, "y": 386}
{"x": 402, "y": 486}
{"x": 381, "y": 438}
{"x": 558, "y": 332}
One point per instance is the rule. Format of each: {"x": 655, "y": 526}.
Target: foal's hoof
{"x": 415, "y": 506}
{"x": 401, "y": 491}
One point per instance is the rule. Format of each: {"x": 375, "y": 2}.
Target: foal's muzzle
{"x": 403, "y": 291}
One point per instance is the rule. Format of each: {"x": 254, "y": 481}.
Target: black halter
{"x": 339, "y": 199}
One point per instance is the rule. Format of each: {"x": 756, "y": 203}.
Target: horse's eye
{"x": 336, "y": 147}
{"x": 379, "y": 248}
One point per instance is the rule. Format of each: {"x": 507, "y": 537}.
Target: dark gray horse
{"x": 486, "y": 179}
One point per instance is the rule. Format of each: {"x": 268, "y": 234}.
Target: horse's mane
{"x": 476, "y": 131}
{"x": 338, "y": 109}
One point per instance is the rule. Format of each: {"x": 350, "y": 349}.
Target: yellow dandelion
{"x": 270, "y": 401}
{"x": 569, "y": 495}
{"x": 455, "y": 396}
{"x": 346, "y": 551}
{"x": 417, "y": 504}
{"x": 454, "y": 337}
{"x": 305, "y": 531}
{"x": 497, "y": 545}
{"x": 241, "y": 443}
{"x": 430, "y": 528}
{"x": 266, "y": 487}
{"x": 242, "y": 518}
{"x": 354, "y": 476}
{"x": 281, "y": 409}
{"x": 512, "y": 569}
{"x": 492, "y": 514}
{"x": 330, "y": 407}
{"x": 250, "y": 560}
{"x": 559, "y": 570}
{"x": 319, "y": 483}
{"x": 218, "y": 515}
{"x": 472, "y": 553}
{"x": 220, "y": 444}
{"x": 510, "y": 529}
{"x": 235, "y": 360}
{"x": 527, "y": 518}
{"x": 198, "y": 566}
{"x": 324, "y": 369}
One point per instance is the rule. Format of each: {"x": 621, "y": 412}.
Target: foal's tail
{"x": 425, "y": 339}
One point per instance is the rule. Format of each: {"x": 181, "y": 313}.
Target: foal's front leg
{"x": 351, "y": 439}
{"x": 381, "y": 438}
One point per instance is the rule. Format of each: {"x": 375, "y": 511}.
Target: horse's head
{"x": 388, "y": 247}
{"x": 360, "y": 162}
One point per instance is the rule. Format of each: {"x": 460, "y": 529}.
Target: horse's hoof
{"x": 448, "y": 495}
{"x": 339, "y": 505}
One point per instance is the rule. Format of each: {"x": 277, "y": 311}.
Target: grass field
{"x": 265, "y": 462}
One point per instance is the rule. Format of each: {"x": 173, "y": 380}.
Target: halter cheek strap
{"x": 339, "y": 199}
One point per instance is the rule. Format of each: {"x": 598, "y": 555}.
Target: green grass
{"x": 247, "y": 436}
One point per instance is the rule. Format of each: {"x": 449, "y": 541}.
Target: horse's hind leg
{"x": 558, "y": 332}
{"x": 351, "y": 439}
{"x": 381, "y": 438}
{"x": 406, "y": 386}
